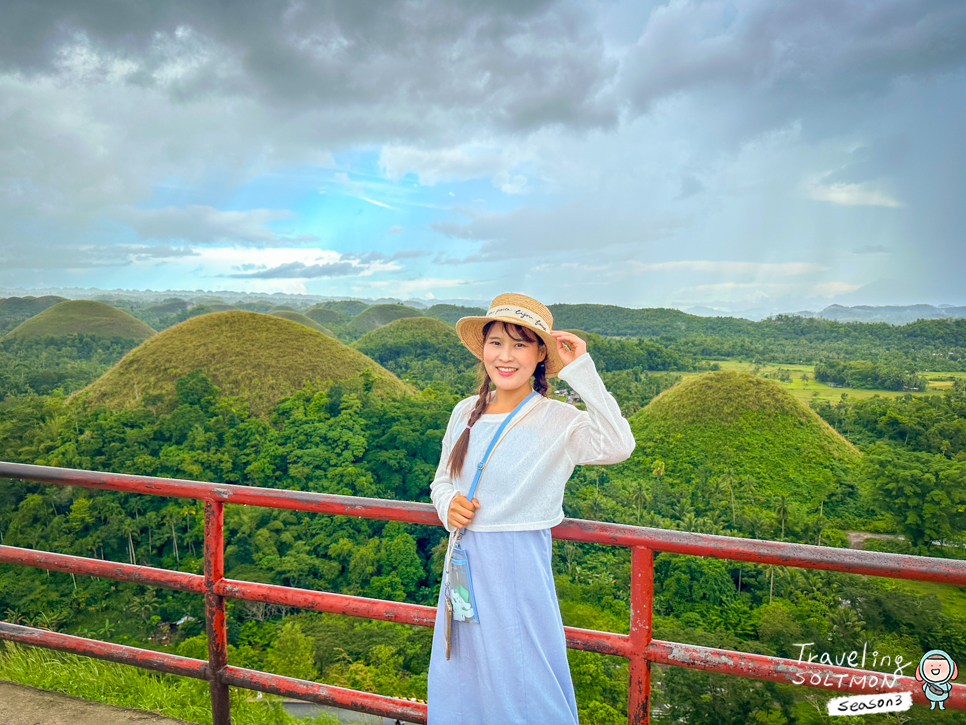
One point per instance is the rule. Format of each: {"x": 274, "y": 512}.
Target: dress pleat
{"x": 512, "y": 666}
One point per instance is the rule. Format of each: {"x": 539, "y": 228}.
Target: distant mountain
{"x": 893, "y": 314}
{"x": 707, "y": 312}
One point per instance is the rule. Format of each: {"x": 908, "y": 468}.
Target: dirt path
{"x": 856, "y": 538}
{"x": 22, "y": 705}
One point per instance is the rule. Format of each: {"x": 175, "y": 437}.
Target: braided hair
{"x": 540, "y": 384}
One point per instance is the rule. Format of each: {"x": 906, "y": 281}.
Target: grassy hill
{"x": 451, "y": 313}
{"x": 710, "y": 423}
{"x": 349, "y": 308}
{"x": 324, "y": 316}
{"x": 624, "y": 321}
{"x": 14, "y": 310}
{"x": 378, "y": 315}
{"x": 219, "y": 307}
{"x": 73, "y": 317}
{"x": 302, "y": 320}
{"x": 415, "y": 338}
{"x": 168, "y": 307}
{"x": 258, "y": 357}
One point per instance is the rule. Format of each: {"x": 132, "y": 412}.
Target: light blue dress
{"x": 511, "y": 668}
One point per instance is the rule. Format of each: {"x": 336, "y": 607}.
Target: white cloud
{"x": 851, "y": 195}
{"x": 207, "y": 225}
{"x": 629, "y": 267}
{"x": 744, "y": 268}
{"x": 470, "y": 161}
{"x": 760, "y": 291}
{"x": 409, "y": 287}
{"x": 377, "y": 203}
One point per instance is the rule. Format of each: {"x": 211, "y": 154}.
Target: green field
{"x": 952, "y": 597}
{"x": 814, "y": 390}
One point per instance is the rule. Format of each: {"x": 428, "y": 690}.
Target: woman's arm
{"x": 599, "y": 434}
{"x": 443, "y": 490}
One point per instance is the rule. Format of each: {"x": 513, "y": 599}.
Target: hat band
{"x": 521, "y": 313}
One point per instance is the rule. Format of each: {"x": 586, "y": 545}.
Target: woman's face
{"x": 509, "y": 363}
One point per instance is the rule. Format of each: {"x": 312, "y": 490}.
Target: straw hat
{"x": 519, "y": 310}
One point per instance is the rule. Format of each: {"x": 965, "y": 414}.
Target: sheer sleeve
{"x": 443, "y": 489}
{"x": 599, "y": 434}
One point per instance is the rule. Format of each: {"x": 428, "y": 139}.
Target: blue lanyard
{"x": 482, "y": 464}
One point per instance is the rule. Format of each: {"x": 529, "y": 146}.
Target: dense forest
{"x": 719, "y": 453}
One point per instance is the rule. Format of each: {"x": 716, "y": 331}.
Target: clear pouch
{"x": 460, "y": 589}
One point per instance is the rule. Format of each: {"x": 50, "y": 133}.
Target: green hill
{"x": 87, "y": 317}
{"x": 168, "y": 307}
{"x": 715, "y": 422}
{"x": 14, "y": 310}
{"x": 252, "y": 306}
{"x": 648, "y": 322}
{"x": 257, "y": 357}
{"x": 451, "y": 313}
{"x": 349, "y": 308}
{"x": 378, "y": 315}
{"x": 415, "y": 339}
{"x": 325, "y": 316}
{"x": 302, "y": 320}
{"x": 282, "y": 308}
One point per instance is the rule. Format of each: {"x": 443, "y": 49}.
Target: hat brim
{"x": 470, "y": 331}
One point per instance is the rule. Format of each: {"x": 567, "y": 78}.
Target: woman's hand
{"x": 461, "y": 511}
{"x": 577, "y": 346}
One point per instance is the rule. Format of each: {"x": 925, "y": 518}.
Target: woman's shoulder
{"x": 462, "y": 408}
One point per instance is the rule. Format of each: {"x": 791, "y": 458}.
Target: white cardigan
{"x": 522, "y": 487}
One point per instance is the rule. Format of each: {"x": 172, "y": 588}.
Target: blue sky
{"x": 736, "y": 155}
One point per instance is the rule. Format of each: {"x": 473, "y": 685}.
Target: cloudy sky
{"x": 730, "y": 154}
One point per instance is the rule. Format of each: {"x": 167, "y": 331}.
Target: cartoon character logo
{"x": 935, "y": 670}
{"x": 462, "y": 609}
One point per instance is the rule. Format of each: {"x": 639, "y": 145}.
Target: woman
{"x": 511, "y": 666}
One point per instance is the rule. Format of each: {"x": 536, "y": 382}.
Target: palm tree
{"x": 689, "y": 522}
{"x": 730, "y": 480}
{"x": 641, "y": 497}
{"x": 845, "y": 623}
{"x": 781, "y": 512}
{"x": 756, "y": 521}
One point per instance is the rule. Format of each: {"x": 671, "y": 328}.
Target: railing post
{"x": 215, "y": 612}
{"x": 639, "y": 670}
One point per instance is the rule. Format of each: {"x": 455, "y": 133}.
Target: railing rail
{"x": 637, "y": 646}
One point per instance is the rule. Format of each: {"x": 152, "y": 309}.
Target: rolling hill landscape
{"x": 259, "y": 358}
{"x": 740, "y": 424}
{"x": 413, "y": 339}
{"x": 298, "y": 317}
{"x": 773, "y": 429}
{"x": 14, "y": 310}
{"x": 82, "y": 317}
{"x": 326, "y": 316}
{"x": 379, "y": 315}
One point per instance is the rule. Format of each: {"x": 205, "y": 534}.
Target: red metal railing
{"x": 637, "y": 646}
